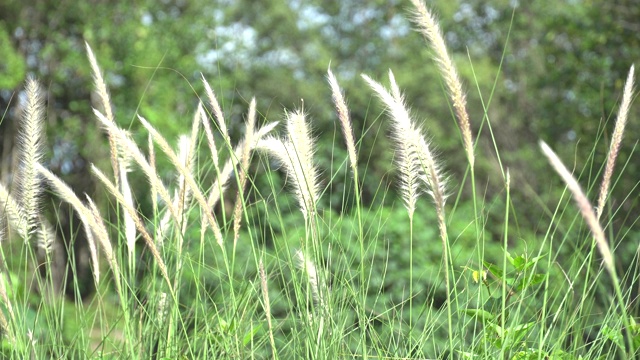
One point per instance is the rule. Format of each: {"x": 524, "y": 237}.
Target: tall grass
{"x": 189, "y": 279}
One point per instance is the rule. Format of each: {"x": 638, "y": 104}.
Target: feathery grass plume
{"x": 296, "y": 155}
{"x": 67, "y": 194}
{"x": 138, "y": 222}
{"x": 197, "y": 194}
{"x": 152, "y": 164}
{"x": 416, "y": 160}
{"x": 5, "y": 299}
{"x": 267, "y": 305}
{"x": 163, "y": 305}
{"x": 418, "y": 170}
{"x": 105, "y": 243}
{"x": 12, "y": 211}
{"x": 345, "y": 120}
{"x": 30, "y": 138}
{"x": 103, "y": 94}
{"x": 217, "y": 111}
{"x": 244, "y": 167}
{"x": 210, "y": 140}
{"x": 428, "y": 26}
{"x": 129, "y": 225}
{"x": 124, "y": 141}
{"x": 311, "y": 271}
{"x": 46, "y": 236}
{"x": 616, "y": 139}
{"x": 4, "y": 325}
{"x": 4, "y": 296}
{"x": 220, "y": 184}
{"x": 182, "y": 196}
{"x": 585, "y": 207}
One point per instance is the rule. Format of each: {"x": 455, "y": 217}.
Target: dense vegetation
{"x": 204, "y": 188}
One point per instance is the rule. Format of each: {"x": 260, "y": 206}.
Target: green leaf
{"x": 494, "y": 270}
{"x": 614, "y": 335}
{"x": 481, "y": 314}
{"x": 249, "y": 335}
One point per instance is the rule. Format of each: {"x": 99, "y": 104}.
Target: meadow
{"x": 227, "y": 265}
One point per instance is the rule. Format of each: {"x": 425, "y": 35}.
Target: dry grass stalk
{"x": 30, "y": 138}
{"x": 428, "y": 26}
{"x": 616, "y": 139}
{"x": 267, "y": 305}
{"x": 296, "y": 154}
{"x": 138, "y": 222}
{"x": 85, "y": 215}
{"x": 345, "y": 120}
{"x": 244, "y": 167}
{"x": 583, "y": 204}
{"x": 103, "y": 94}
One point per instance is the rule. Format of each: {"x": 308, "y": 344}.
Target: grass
{"x": 282, "y": 277}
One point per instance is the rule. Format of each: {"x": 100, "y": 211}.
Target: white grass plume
{"x": 220, "y": 184}
{"x": 85, "y": 215}
{"x": 182, "y": 196}
{"x": 296, "y": 155}
{"x": 616, "y": 139}
{"x": 129, "y": 225}
{"x": 345, "y": 120}
{"x": 30, "y": 138}
{"x": 152, "y": 164}
{"x": 188, "y": 177}
{"x": 46, "y": 236}
{"x": 217, "y": 111}
{"x": 105, "y": 244}
{"x": 267, "y": 305}
{"x": 304, "y": 263}
{"x": 428, "y": 26}
{"x": 584, "y": 205}
{"x": 210, "y": 141}
{"x": 138, "y": 222}
{"x": 243, "y": 168}
{"x": 5, "y": 299}
{"x": 132, "y": 149}
{"x": 416, "y": 162}
{"x": 13, "y": 212}
{"x": 103, "y": 94}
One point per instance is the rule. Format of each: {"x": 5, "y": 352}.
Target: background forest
{"x": 532, "y": 70}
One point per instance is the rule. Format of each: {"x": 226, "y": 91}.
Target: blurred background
{"x": 544, "y": 69}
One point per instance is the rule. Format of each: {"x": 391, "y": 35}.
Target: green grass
{"x": 255, "y": 251}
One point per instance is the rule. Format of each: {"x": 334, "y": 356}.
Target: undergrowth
{"x": 224, "y": 267}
